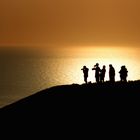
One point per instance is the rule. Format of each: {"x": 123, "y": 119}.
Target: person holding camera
{"x": 85, "y": 72}
{"x": 97, "y": 72}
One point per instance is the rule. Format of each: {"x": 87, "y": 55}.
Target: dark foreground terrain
{"x": 73, "y": 111}
{"x": 76, "y": 97}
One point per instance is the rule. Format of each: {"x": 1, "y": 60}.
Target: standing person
{"x": 123, "y": 74}
{"x": 111, "y": 73}
{"x": 97, "y": 72}
{"x": 102, "y": 74}
{"x": 85, "y": 72}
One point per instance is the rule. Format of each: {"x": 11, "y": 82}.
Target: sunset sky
{"x": 61, "y": 23}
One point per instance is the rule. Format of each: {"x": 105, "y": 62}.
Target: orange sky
{"x": 53, "y": 23}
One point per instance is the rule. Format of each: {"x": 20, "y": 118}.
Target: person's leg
{"x": 125, "y": 79}
{"x": 97, "y": 79}
{"x": 85, "y": 79}
{"x": 103, "y": 79}
{"x": 113, "y": 79}
{"x": 109, "y": 78}
{"x": 121, "y": 78}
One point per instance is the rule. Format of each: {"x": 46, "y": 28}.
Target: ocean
{"x": 23, "y": 76}
{"x": 26, "y": 76}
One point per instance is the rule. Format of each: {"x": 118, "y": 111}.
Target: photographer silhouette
{"x": 97, "y": 72}
{"x": 85, "y": 72}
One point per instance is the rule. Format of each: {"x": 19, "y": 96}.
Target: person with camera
{"x": 97, "y": 72}
{"x": 85, "y": 72}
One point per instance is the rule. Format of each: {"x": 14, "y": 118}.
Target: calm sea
{"x": 21, "y": 77}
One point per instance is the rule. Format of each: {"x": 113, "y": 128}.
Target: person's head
{"x": 123, "y": 67}
{"x": 84, "y": 67}
{"x": 110, "y": 65}
{"x": 97, "y": 64}
{"x": 103, "y": 66}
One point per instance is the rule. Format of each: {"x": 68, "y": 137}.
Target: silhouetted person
{"x": 102, "y": 74}
{"x": 97, "y": 72}
{"x": 123, "y": 74}
{"x": 85, "y": 72}
{"x": 111, "y": 73}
